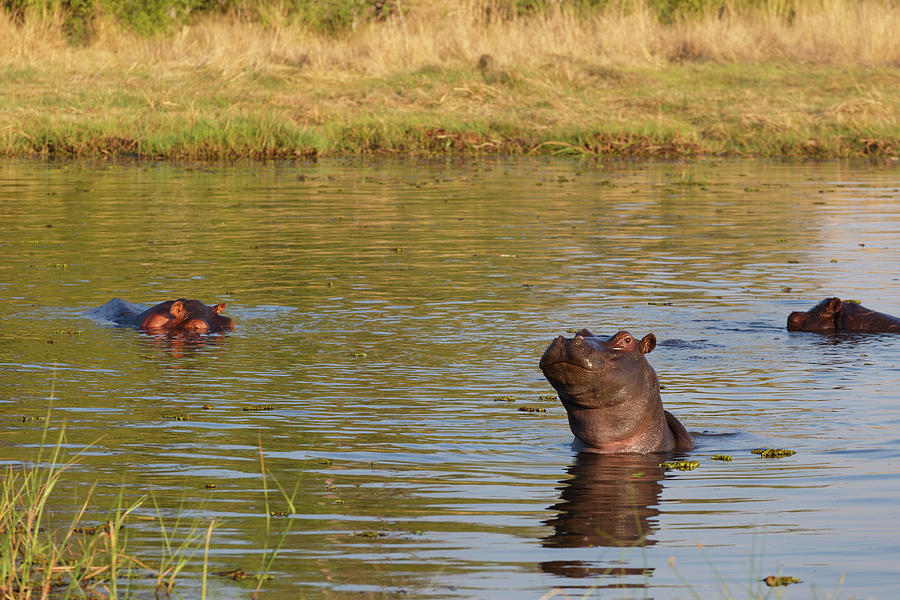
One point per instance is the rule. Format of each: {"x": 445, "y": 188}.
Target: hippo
{"x": 191, "y": 316}
{"x": 611, "y": 394}
{"x": 832, "y": 315}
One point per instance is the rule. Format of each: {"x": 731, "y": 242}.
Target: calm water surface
{"x": 384, "y": 309}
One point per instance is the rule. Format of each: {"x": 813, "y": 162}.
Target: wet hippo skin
{"x": 185, "y": 315}
{"x": 832, "y": 315}
{"x": 611, "y": 394}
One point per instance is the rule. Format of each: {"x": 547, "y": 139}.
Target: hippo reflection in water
{"x": 833, "y": 315}
{"x": 190, "y": 316}
{"x": 611, "y": 394}
{"x": 607, "y": 500}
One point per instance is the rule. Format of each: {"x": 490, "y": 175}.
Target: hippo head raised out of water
{"x": 611, "y": 394}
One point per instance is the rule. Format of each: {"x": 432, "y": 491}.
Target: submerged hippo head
{"x": 820, "y": 318}
{"x": 191, "y": 316}
{"x": 611, "y": 393}
{"x": 832, "y": 315}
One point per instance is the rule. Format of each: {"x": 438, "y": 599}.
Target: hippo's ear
{"x": 834, "y": 306}
{"x": 586, "y": 333}
{"x": 648, "y": 343}
{"x": 219, "y": 308}
{"x": 177, "y": 310}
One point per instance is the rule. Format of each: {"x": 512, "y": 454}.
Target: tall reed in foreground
{"x": 39, "y": 559}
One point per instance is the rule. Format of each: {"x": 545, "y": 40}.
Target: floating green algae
{"x": 773, "y": 581}
{"x": 176, "y": 417}
{"x": 241, "y": 575}
{"x": 679, "y": 465}
{"x": 773, "y": 452}
{"x": 369, "y": 534}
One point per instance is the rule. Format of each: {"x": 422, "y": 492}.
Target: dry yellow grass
{"x": 833, "y": 63}
{"x": 456, "y": 34}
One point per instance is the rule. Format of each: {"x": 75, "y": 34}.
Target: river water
{"x": 387, "y": 311}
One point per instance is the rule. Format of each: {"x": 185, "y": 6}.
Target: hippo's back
{"x": 117, "y": 311}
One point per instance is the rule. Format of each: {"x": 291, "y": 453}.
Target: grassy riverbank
{"x": 810, "y": 78}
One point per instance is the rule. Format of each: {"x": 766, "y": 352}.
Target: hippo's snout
{"x": 795, "y": 321}
{"x": 554, "y": 353}
{"x": 578, "y": 351}
{"x": 196, "y": 326}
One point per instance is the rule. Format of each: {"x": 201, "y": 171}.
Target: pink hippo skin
{"x": 191, "y": 316}
{"x": 611, "y": 394}
{"x": 832, "y": 315}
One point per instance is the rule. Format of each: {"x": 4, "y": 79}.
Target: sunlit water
{"x": 384, "y": 309}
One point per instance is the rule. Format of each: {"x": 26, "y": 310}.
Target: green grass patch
{"x": 676, "y": 110}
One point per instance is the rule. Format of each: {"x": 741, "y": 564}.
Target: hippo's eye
{"x": 628, "y": 340}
